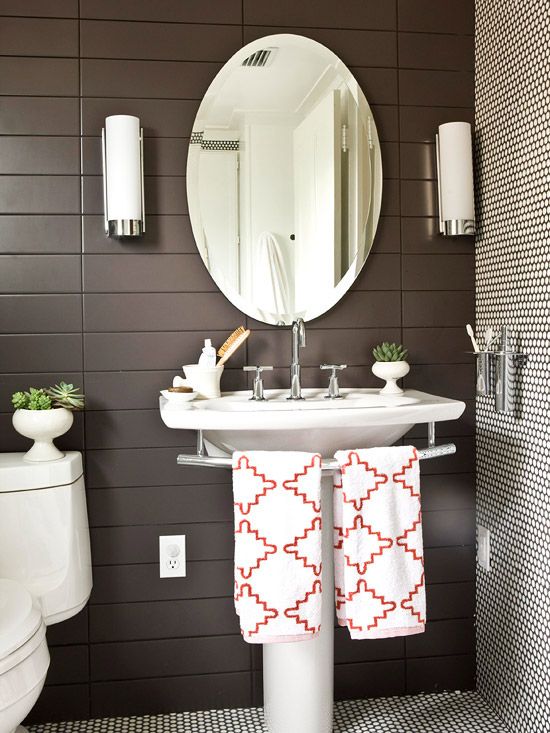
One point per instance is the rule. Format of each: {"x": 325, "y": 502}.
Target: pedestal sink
{"x": 298, "y": 677}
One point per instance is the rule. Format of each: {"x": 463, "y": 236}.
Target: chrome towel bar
{"x": 327, "y": 464}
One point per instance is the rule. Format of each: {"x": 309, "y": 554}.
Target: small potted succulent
{"x": 391, "y": 365}
{"x": 44, "y": 414}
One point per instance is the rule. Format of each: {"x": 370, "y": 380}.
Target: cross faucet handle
{"x": 333, "y": 387}
{"x": 258, "y": 386}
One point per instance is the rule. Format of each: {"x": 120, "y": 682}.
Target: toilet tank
{"x": 44, "y": 533}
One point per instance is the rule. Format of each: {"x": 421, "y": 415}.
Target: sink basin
{"x": 363, "y": 418}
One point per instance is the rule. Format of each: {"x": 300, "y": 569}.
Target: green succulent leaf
{"x": 38, "y": 400}
{"x": 66, "y": 395}
{"x": 390, "y": 352}
{"x": 20, "y": 400}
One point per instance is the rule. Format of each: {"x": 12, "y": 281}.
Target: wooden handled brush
{"x": 227, "y": 349}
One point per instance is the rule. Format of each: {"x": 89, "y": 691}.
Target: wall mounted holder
{"x": 496, "y": 373}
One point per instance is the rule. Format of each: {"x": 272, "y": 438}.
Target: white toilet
{"x": 45, "y": 570}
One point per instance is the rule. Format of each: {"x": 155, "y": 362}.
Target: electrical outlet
{"x": 172, "y": 556}
{"x": 484, "y": 548}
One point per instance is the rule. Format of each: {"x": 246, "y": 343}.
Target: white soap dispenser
{"x": 208, "y": 356}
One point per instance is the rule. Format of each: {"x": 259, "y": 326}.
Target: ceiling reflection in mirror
{"x": 284, "y": 179}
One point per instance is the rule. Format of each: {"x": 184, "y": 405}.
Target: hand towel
{"x": 378, "y": 551}
{"x": 277, "y": 502}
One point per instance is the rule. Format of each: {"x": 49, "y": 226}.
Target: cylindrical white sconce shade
{"x": 123, "y": 176}
{"x": 455, "y": 179}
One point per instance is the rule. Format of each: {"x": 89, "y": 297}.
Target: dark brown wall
{"x": 120, "y": 319}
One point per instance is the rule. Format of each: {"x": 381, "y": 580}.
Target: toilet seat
{"x": 20, "y": 620}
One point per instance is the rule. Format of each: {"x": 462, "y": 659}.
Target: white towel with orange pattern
{"x": 378, "y": 550}
{"x": 277, "y": 501}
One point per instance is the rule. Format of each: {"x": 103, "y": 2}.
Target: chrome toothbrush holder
{"x": 496, "y": 373}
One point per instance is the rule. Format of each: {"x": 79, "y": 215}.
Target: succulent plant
{"x": 38, "y": 400}
{"x": 20, "y": 400}
{"x": 390, "y": 352}
{"x": 66, "y": 395}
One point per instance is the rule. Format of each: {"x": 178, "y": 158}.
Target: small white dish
{"x": 178, "y": 396}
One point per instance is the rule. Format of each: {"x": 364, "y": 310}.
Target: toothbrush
{"x": 490, "y": 338}
{"x": 470, "y": 332}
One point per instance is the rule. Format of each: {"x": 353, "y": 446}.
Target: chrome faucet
{"x": 298, "y": 340}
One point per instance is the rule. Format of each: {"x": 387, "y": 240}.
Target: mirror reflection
{"x": 284, "y": 179}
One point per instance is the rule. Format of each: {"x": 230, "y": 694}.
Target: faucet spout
{"x": 298, "y": 341}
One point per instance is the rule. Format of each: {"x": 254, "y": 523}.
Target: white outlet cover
{"x": 172, "y": 560}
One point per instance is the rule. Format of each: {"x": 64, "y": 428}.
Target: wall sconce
{"x": 123, "y": 195}
{"x": 455, "y": 179}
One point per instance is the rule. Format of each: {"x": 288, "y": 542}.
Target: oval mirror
{"x": 284, "y": 179}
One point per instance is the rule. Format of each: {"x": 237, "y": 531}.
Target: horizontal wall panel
{"x": 380, "y": 272}
{"x": 51, "y": 8}
{"x": 352, "y": 346}
{"x": 445, "y": 528}
{"x": 73, "y": 630}
{"x": 387, "y": 121}
{"x": 420, "y": 235}
{"x": 191, "y": 11}
{"x": 140, "y": 544}
{"x": 169, "y": 350}
{"x": 169, "y": 658}
{"x": 152, "y": 467}
{"x": 354, "y": 47}
{"x": 161, "y": 156}
{"x": 128, "y": 583}
{"x": 379, "y": 86}
{"x": 10, "y": 383}
{"x": 40, "y": 313}
{"x": 60, "y": 703}
{"x": 52, "y": 353}
{"x": 451, "y": 272}
{"x": 202, "y": 692}
{"x": 132, "y": 429}
{"x": 448, "y": 492}
{"x": 436, "y": 345}
{"x": 134, "y": 505}
{"x": 40, "y": 155}
{"x": 39, "y": 194}
{"x": 449, "y": 564}
{"x": 442, "y": 638}
{"x": 163, "y": 195}
{"x": 347, "y": 14}
{"x": 348, "y": 650}
{"x": 423, "y": 309}
{"x": 436, "y": 16}
{"x": 390, "y": 161}
{"x": 163, "y": 235}
{"x": 41, "y": 77}
{"x": 418, "y": 161}
{"x": 151, "y": 79}
{"x": 369, "y": 679}
{"x": 69, "y": 664}
{"x": 457, "y": 383}
{"x": 40, "y": 274}
{"x": 163, "y": 619}
{"x": 38, "y": 37}
{"x": 169, "y": 41}
{"x": 436, "y": 88}
{"x": 436, "y": 51}
{"x": 436, "y": 674}
{"x": 419, "y": 198}
{"x": 419, "y": 124}
{"x": 39, "y": 234}
{"x": 450, "y": 600}
{"x": 390, "y": 199}
{"x": 38, "y": 116}
{"x": 362, "y": 310}
{"x": 159, "y": 312}
{"x": 137, "y": 390}
{"x": 146, "y": 273}
{"x": 161, "y": 118}
{"x": 388, "y": 234}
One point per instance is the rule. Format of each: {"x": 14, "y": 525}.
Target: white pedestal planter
{"x": 43, "y": 426}
{"x": 391, "y": 371}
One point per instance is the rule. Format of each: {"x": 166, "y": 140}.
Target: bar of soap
{"x": 181, "y": 390}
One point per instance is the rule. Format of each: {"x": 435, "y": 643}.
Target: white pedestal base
{"x": 299, "y": 677}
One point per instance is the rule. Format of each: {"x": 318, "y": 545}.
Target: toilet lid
{"x": 19, "y": 617}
